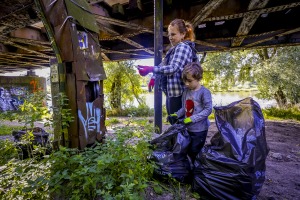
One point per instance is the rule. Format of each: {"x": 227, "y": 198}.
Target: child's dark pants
{"x": 197, "y": 142}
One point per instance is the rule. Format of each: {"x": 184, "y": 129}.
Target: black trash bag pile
{"x": 170, "y": 154}
{"x": 233, "y": 166}
{"x": 40, "y": 137}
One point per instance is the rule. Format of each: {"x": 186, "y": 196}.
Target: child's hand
{"x": 172, "y": 117}
{"x": 187, "y": 120}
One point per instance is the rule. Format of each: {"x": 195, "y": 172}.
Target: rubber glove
{"x": 144, "y": 70}
{"x": 173, "y": 115}
{"x": 151, "y": 84}
{"x": 187, "y": 120}
{"x": 172, "y": 118}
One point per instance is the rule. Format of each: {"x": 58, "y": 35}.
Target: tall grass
{"x": 292, "y": 113}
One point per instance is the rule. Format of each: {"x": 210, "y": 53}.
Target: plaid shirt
{"x": 180, "y": 55}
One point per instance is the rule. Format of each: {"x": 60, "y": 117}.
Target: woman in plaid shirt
{"x": 182, "y": 52}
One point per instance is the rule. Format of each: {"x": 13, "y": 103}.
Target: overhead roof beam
{"x": 128, "y": 41}
{"x": 248, "y": 21}
{"x": 206, "y": 11}
{"x": 121, "y": 23}
{"x": 241, "y": 15}
{"x": 270, "y": 38}
{"x": 25, "y": 48}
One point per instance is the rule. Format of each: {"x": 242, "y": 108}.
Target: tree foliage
{"x": 219, "y": 70}
{"x": 123, "y": 84}
{"x": 278, "y": 75}
{"x": 275, "y": 71}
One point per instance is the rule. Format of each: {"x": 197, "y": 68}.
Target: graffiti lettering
{"x": 92, "y": 121}
{"x": 8, "y": 100}
{"x": 34, "y": 83}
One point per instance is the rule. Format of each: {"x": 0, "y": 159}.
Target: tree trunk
{"x": 280, "y": 98}
{"x": 115, "y": 101}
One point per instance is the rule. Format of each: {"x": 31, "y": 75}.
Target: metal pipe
{"x": 158, "y": 50}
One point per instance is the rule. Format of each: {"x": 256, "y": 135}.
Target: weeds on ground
{"x": 7, "y": 130}
{"x": 292, "y": 113}
{"x": 8, "y": 151}
{"x": 117, "y": 169}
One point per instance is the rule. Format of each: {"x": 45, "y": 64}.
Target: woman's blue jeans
{"x": 173, "y": 104}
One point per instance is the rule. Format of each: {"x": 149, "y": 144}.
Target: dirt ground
{"x": 283, "y": 161}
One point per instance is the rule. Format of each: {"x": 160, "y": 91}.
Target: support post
{"x": 158, "y": 50}
{"x": 79, "y": 69}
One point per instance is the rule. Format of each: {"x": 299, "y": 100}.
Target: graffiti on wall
{"x": 11, "y": 98}
{"x": 92, "y": 121}
{"x": 12, "y": 95}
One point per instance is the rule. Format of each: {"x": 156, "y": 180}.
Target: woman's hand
{"x": 144, "y": 70}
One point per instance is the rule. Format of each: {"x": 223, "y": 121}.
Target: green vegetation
{"x": 7, "y": 151}
{"x": 288, "y": 113}
{"x": 274, "y": 72}
{"x": 122, "y": 86}
{"x": 141, "y": 110}
{"x": 117, "y": 169}
{"x": 7, "y": 130}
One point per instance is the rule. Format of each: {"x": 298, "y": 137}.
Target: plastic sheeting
{"x": 170, "y": 153}
{"x": 233, "y": 166}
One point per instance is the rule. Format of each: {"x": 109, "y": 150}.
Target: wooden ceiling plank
{"x": 100, "y": 18}
{"x": 20, "y": 62}
{"x": 118, "y": 52}
{"x": 248, "y": 21}
{"x": 241, "y": 15}
{"x": 205, "y": 11}
{"x": 126, "y": 40}
{"x": 25, "y": 48}
{"x": 210, "y": 44}
{"x": 23, "y": 56}
{"x": 38, "y": 43}
{"x": 270, "y": 38}
{"x": 104, "y": 56}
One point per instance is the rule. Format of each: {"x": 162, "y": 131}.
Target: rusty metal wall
{"x": 84, "y": 74}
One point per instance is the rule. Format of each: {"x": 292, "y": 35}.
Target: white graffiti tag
{"x": 92, "y": 121}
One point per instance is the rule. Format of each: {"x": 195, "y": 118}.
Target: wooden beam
{"x": 210, "y": 44}
{"x": 248, "y": 21}
{"x": 126, "y": 40}
{"x": 205, "y": 11}
{"x": 104, "y": 57}
{"x": 241, "y": 15}
{"x": 270, "y": 38}
{"x": 119, "y": 52}
{"x": 25, "y": 48}
{"x": 121, "y": 23}
{"x": 23, "y": 56}
{"x": 20, "y": 63}
{"x": 38, "y": 43}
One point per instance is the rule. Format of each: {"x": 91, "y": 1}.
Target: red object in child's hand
{"x": 151, "y": 84}
{"x": 144, "y": 70}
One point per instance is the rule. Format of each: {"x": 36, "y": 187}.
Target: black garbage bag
{"x": 233, "y": 165}
{"x": 170, "y": 154}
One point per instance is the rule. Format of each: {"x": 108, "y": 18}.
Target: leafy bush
{"x": 7, "y": 130}
{"x": 117, "y": 169}
{"x": 24, "y": 179}
{"x": 292, "y": 113}
{"x": 7, "y": 151}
